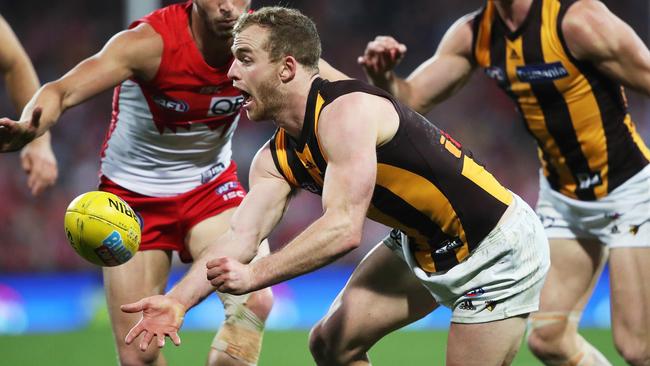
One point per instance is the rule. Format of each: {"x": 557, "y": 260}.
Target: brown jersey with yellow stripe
{"x": 427, "y": 184}
{"x": 588, "y": 144}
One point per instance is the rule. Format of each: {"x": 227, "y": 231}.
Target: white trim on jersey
{"x": 141, "y": 159}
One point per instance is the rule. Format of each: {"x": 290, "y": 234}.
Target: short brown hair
{"x": 290, "y": 33}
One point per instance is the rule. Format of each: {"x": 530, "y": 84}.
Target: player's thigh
{"x": 382, "y": 295}
{"x": 208, "y": 231}
{"x": 485, "y": 344}
{"x": 143, "y": 275}
{"x": 575, "y": 264}
{"x": 630, "y": 292}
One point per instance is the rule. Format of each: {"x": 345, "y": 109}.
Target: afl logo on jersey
{"x": 495, "y": 73}
{"x": 174, "y": 105}
{"x": 225, "y": 106}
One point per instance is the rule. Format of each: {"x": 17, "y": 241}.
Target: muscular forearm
{"x": 195, "y": 287}
{"x": 321, "y": 243}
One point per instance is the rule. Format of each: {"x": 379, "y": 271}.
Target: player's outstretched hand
{"x": 229, "y": 276}
{"x": 162, "y": 317}
{"x": 39, "y": 163}
{"x": 16, "y": 134}
{"x": 381, "y": 56}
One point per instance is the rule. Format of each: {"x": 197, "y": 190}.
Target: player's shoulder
{"x": 342, "y": 92}
{"x": 585, "y": 27}
{"x": 355, "y": 100}
{"x": 142, "y": 39}
{"x": 584, "y": 13}
{"x": 169, "y": 22}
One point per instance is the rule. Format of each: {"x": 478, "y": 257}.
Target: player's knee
{"x": 635, "y": 352}
{"x": 542, "y": 344}
{"x": 261, "y": 303}
{"x": 330, "y": 348}
{"x": 323, "y": 346}
{"x": 548, "y": 343}
{"x": 132, "y": 356}
{"x": 317, "y": 343}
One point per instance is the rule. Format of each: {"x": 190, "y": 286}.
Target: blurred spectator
{"x": 58, "y": 37}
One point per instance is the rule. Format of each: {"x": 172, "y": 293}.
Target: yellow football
{"x": 102, "y": 228}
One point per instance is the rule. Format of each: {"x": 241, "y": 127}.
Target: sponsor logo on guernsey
{"x": 495, "y": 73}
{"x": 212, "y": 172}
{"x": 588, "y": 180}
{"x": 448, "y": 246}
{"x": 514, "y": 55}
{"x": 225, "y": 106}
{"x": 541, "y": 72}
{"x": 112, "y": 251}
{"x": 212, "y": 89}
{"x": 171, "y": 104}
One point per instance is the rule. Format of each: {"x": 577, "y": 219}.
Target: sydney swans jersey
{"x": 588, "y": 144}
{"x": 172, "y": 134}
{"x": 427, "y": 185}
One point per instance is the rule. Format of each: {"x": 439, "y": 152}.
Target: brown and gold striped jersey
{"x": 587, "y": 142}
{"x": 427, "y": 184}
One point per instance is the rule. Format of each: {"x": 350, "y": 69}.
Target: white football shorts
{"x": 621, "y": 219}
{"x": 501, "y": 278}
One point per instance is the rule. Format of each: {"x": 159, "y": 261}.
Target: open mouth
{"x": 247, "y": 98}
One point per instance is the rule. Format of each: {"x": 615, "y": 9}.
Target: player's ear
{"x": 288, "y": 69}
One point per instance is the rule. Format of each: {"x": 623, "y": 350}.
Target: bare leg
{"x": 239, "y": 339}
{"x": 144, "y": 275}
{"x": 554, "y": 338}
{"x": 381, "y": 296}
{"x": 485, "y": 344}
{"x": 630, "y": 295}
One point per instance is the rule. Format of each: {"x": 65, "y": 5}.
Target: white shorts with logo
{"x": 501, "y": 278}
{"x": 621, "y": 219}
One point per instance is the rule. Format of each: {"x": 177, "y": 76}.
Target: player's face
{"x": 219, "y": 16}
{"x": 255, "y": 75}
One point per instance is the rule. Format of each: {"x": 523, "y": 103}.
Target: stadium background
{"x": 46, "y": 288}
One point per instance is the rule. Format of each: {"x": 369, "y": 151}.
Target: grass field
{"x": 288, "y": 348}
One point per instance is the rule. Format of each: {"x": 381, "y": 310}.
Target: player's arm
{"x": 134, "y": 52}
{"x": 348, "y": 134}
{"x": 19, "y": 75}
{"x": 37, "y": 158}
{"x": 433, "y": 81}
{"x": 594, "y": 34}
{"x": 328, "y": 72}
{"x": 252, "y": 222}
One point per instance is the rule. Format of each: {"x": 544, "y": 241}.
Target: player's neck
{"x": 292, "y": 117}
{"x": 215, "y": 50}
{"x": 513, "y": 12}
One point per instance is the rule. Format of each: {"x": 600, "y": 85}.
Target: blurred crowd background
{"x": 57, "y": 35}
